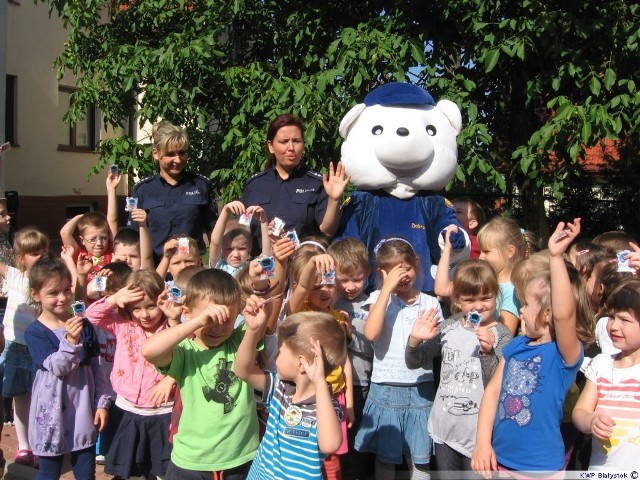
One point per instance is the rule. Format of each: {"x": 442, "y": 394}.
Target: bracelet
{"x": 267, "y": 290}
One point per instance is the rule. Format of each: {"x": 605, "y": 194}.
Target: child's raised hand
{"x": 162, "y": 392}
{"x": 562, "y": 237}
{"x": 324, "y": 263}
{"x": 170, "y": 248}
{"x": 315, "y": 369}
{"x": 235, "y": 208}
{"x": 283, "y": 248}
{"x": 100, "y": 418}
{"x": 84, "y": 264}
{"x": 171, "y": 310}
{"x": 634, "y": 256}
{"x": 128, "y": 294}
{"x": 483, "y": 461}
{"x": 67, "y": 252}
{"x": 73, "y": 328}
{"x": 602, "y": 426}
{"x": 214, "y": 313}
{"x": 139, "y": 216}
{"x": 486, "y": 339}
{"x": 426, "y": 325}
{"x": 450, "y": 230}
{"x": 255, "y": 313}
{"x": 392, "y": 278}
{"x": 258, "y": 212}
{"x": 113, "y": 180}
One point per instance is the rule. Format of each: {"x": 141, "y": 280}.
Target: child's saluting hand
{"x": 315, "y": 370}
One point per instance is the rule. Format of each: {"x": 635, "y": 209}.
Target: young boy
{"x": 471, "y": 217}
{"x": 304, "y": 419}
{"x": 178, "y": 252}
{"x": 95, "y": 239}
{"x": 352, "y": 270}
{"x": 229, "y": 249}
{"x": 218, "y": 429}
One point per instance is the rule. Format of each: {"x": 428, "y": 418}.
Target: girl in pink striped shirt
{"x": 140, "y": 446}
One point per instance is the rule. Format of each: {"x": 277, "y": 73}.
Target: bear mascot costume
{"x": 400, "y": 149}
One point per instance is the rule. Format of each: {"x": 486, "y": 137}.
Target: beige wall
{"x": 36, "y": 167}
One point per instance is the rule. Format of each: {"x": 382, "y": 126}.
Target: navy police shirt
{"x": 185, "y": 208}
{"x": 300, "y": 201}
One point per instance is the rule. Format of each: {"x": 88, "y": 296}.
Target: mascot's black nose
{"x": 403, "y": 132}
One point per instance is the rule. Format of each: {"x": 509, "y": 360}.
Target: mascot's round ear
{"x": 452, "y": 112}
{"x": 350, "y": 118}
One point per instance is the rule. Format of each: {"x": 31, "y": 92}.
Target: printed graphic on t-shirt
{"x": 521, "y": 382}
{"x": 226, "y": 388}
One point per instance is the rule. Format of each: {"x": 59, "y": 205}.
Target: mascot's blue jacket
{"x": 373, "y": 215}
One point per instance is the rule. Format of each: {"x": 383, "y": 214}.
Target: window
{"x": 11, "y": 119}
{"x": 81, "y": 136}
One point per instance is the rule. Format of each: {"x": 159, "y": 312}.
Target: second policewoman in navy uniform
{"x": 176, "y": 201}
{"x": 305, "y": 200}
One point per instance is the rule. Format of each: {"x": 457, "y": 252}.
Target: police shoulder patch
{"x": 202, "y": 177}
{"x": 256, "y": 175}
{"x": 145, "y": 180}
{"x": 448, "y": 203}
{"x": 314, "y": 174}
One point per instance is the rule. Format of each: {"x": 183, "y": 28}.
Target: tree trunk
{"x": 533, "y": 209}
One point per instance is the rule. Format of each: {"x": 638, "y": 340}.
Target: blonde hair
{"x": 183, "y": 276}
{"x": 165, "y": 133}
{"x": 213, "y": 285}
{"x": 350, "y": 256}
{"x": 194, "y": 249}
{"x": 527, "y": 269}
{"x": 298, "y": 263}
{"x": 28, "y": 240}
{"x": 297, "y": 329}
{"x": 148, "y": 280}
{"x": 473, "y": 277}
{"x": 93, "y": 219}
{"x": 501, "y": 233}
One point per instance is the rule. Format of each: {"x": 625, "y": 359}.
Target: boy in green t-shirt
{"x": 218, "y": 429}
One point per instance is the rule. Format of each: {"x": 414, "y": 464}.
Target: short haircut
{"x": 213, "y": 285}
{"x": 126, "y": 237}
{"x": 297, "y": 330}
{"x": 29, "y": 240}
{"x": 117, "y": 279}
{"x": 166, "y": 134}
{"x": 476, "y": 211}
{"x": 234, "y": 233}
{"x": 614, "y": 241}
{"x": 148, "y": 280}
{"x": 93, "y": 219}
{"x": 474, "y": 277}
{"x": 350, "y": 256}
{"x": 47, "y": 267}
{"x": 184, "y": 275}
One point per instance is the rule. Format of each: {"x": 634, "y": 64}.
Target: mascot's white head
{"x": 401, "y": 141}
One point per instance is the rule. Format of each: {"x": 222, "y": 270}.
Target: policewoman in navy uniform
{"x": 305, "y": 200}
{"x": 176, "y": 201}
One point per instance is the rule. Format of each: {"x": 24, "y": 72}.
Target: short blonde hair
{"x": 297, "y": 329}
{"x": 165, "y": 133}
{"x": 29, "y": 240}
{"x": 350, "y": 256}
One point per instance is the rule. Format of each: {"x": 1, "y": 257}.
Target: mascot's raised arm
{"x": 400, "y": 150}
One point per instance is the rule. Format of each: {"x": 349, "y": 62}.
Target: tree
{"x": 537, "y": 82}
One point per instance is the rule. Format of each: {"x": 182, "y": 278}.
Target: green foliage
{"x": 537, "y": 82}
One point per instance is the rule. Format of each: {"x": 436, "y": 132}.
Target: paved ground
{"x": 13, "y": 471}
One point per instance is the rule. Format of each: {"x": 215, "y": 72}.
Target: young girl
{"x": 470, "y": 354}
{"x": 609, "y": 406}
{"x": 19, "y": 370}
{"x": 140, "y": 446}
{"x": 521, "y": 410}
{"x": 394, "y": 421}
{"x": 313, "y": 292}
{"x": 503, "y": 244}
{"x": 70, "y": 399}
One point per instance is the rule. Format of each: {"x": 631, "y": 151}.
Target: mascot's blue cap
{"x": 398, "y": 94}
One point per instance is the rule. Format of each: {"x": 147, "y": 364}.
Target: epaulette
{"x": 206, "y": 179}
{"x": 145, "y": 180}
{"x": 256, "y": 175}
{"x": 314, "y": 174}
{"x": 346, "y": 201}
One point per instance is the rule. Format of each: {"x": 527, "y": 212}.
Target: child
{"x": 470, "y": 354}
{"x": 311, "y": 292}
{"x": 230, "y": 250}
{"x": 140, "y": 446}
{"x": 609, "y": 406}
{"x": 6, "y": 257}
{"x": 503, "y": 244}
{"x": 304, "y": 420}
{"x": 95, "y": 239}
{"x": 175, "y": 257}
{"x": 352, "y": 270}
{"x": 129, "y": 248}
{"x": 70, "y": 400}
{"x": 218, "y": 430}
{"x": 19, "y": 370}
{"x": 471, "y": 217}
{"x": 521, "y": 410}
{"x": 395, "y": 414}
